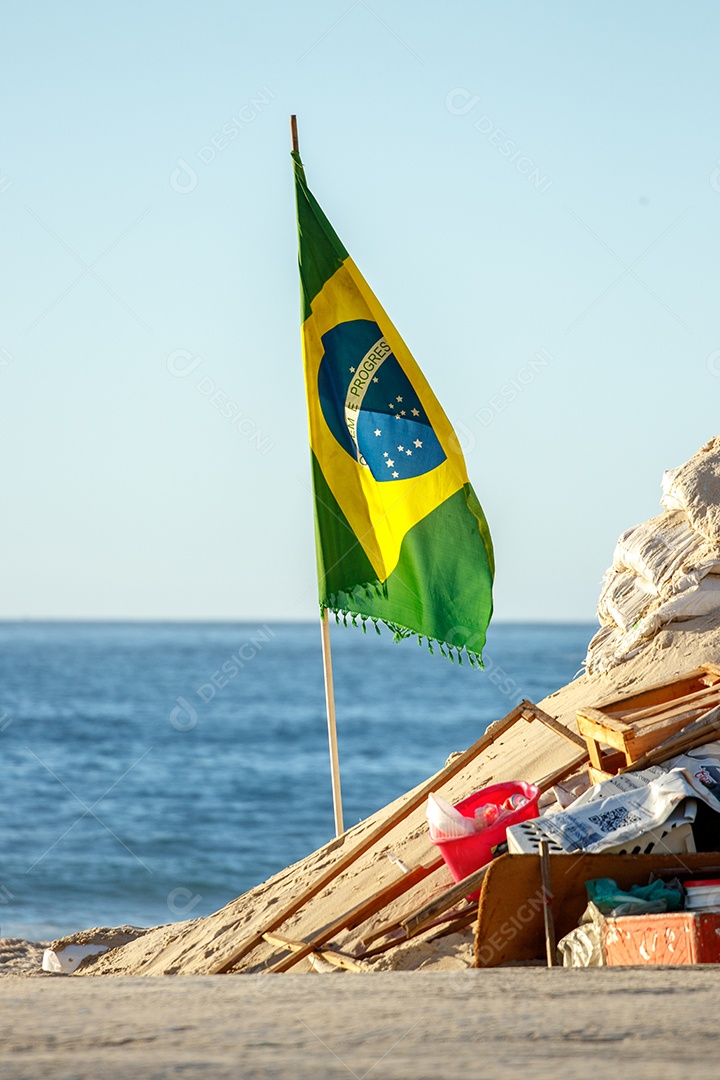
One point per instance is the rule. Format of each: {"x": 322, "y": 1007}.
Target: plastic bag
{"x": 612, "y": 901}
{"x": 583, "y": 946}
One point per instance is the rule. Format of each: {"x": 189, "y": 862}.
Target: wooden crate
{"x": 619, "y": 732}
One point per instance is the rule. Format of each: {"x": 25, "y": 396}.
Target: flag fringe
{"x": 448, "y": 650}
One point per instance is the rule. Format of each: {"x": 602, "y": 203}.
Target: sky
{"x": 532, "y": 191}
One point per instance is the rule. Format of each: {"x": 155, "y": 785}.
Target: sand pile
{"x": 684, "y": 556}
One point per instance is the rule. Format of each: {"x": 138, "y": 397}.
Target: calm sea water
{"x": 153, "y": 772}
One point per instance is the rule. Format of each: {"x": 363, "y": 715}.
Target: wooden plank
{"x": 396, "y": 936}
{"x": 696, "y": 734}
{"x": 547, "y": 900}
{"x": 449, "y": 922}
{"x": 701, "y": 704}
{"x": 562, "y": 773}
{"x": 596, "y": 725}
{"x": 341, "y": 960}
{"x": 598, "y": 775}
{"x": 418, "y": 920}
{"x": 595, "y": 754}
{"x": 648, "y": 739}
{"x": 381, "y": 899}
{"x": 283, "y": 941}
{"x": 655, "y": 690}
{"x": 632, "y": 716}
{"x": 371, "y": 838}
{"x": 592, "y": 715}
{"x": 458, "y": 924}
{"x": 676, "y": 719}
{"x": 360, "y": 913}
{"x": 385, "y": 928}
{"x": 535, "y": 712}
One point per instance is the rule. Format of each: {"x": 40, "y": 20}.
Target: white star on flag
{"x": 417, "y": 443}
{"x": 415, "y": 412}
{"x": 389, "y": 463}
{"x": 398, "y": 398}
{"x": 378, "y": 431}
{"x": 395, "y": 475}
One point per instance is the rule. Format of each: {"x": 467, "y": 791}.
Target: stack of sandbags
{"x": 665, "y": 570}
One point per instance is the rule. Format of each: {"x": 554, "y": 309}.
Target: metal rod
{"x": 293, "y": 133}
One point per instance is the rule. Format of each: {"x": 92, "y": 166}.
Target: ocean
{"x": 154, "y": 771}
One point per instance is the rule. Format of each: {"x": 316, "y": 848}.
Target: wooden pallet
{"x": 619, "y": 732}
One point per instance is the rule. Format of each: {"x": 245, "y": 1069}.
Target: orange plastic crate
{"x": 680, "y": 937}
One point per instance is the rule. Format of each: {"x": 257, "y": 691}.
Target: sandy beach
{"x": 433, "y": 1016}
{"x": 415, "y": 1006}
{"x": 559, "y": 1025}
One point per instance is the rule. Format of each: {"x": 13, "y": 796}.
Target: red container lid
{"x": 710, "y": 882}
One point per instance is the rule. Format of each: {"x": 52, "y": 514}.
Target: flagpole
{"x": 327, "y": 660}
{"x": 332, "y": 730}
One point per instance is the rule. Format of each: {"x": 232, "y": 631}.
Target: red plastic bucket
{"x": 466, "y": 854}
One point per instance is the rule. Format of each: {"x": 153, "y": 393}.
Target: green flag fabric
{"x": 401, "y": 537}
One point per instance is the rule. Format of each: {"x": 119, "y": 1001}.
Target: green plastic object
{"x": 652, "y": 899}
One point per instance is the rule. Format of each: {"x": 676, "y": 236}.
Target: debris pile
{"x": 621, "y": 775}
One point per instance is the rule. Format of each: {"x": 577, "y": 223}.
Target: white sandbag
{"x": 663, "y": 549}
{"x": 613, "y": 644}
{"x": 694, "y": 488}
{"x": 624, "y": 598}
{"x": 666, "y": 569}
{"x": 605, "y": 650}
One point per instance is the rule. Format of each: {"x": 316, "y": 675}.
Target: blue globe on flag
{"x": 370, "y": 405}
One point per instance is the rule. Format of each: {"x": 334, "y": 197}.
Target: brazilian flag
{"x": 401, "y": 537}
